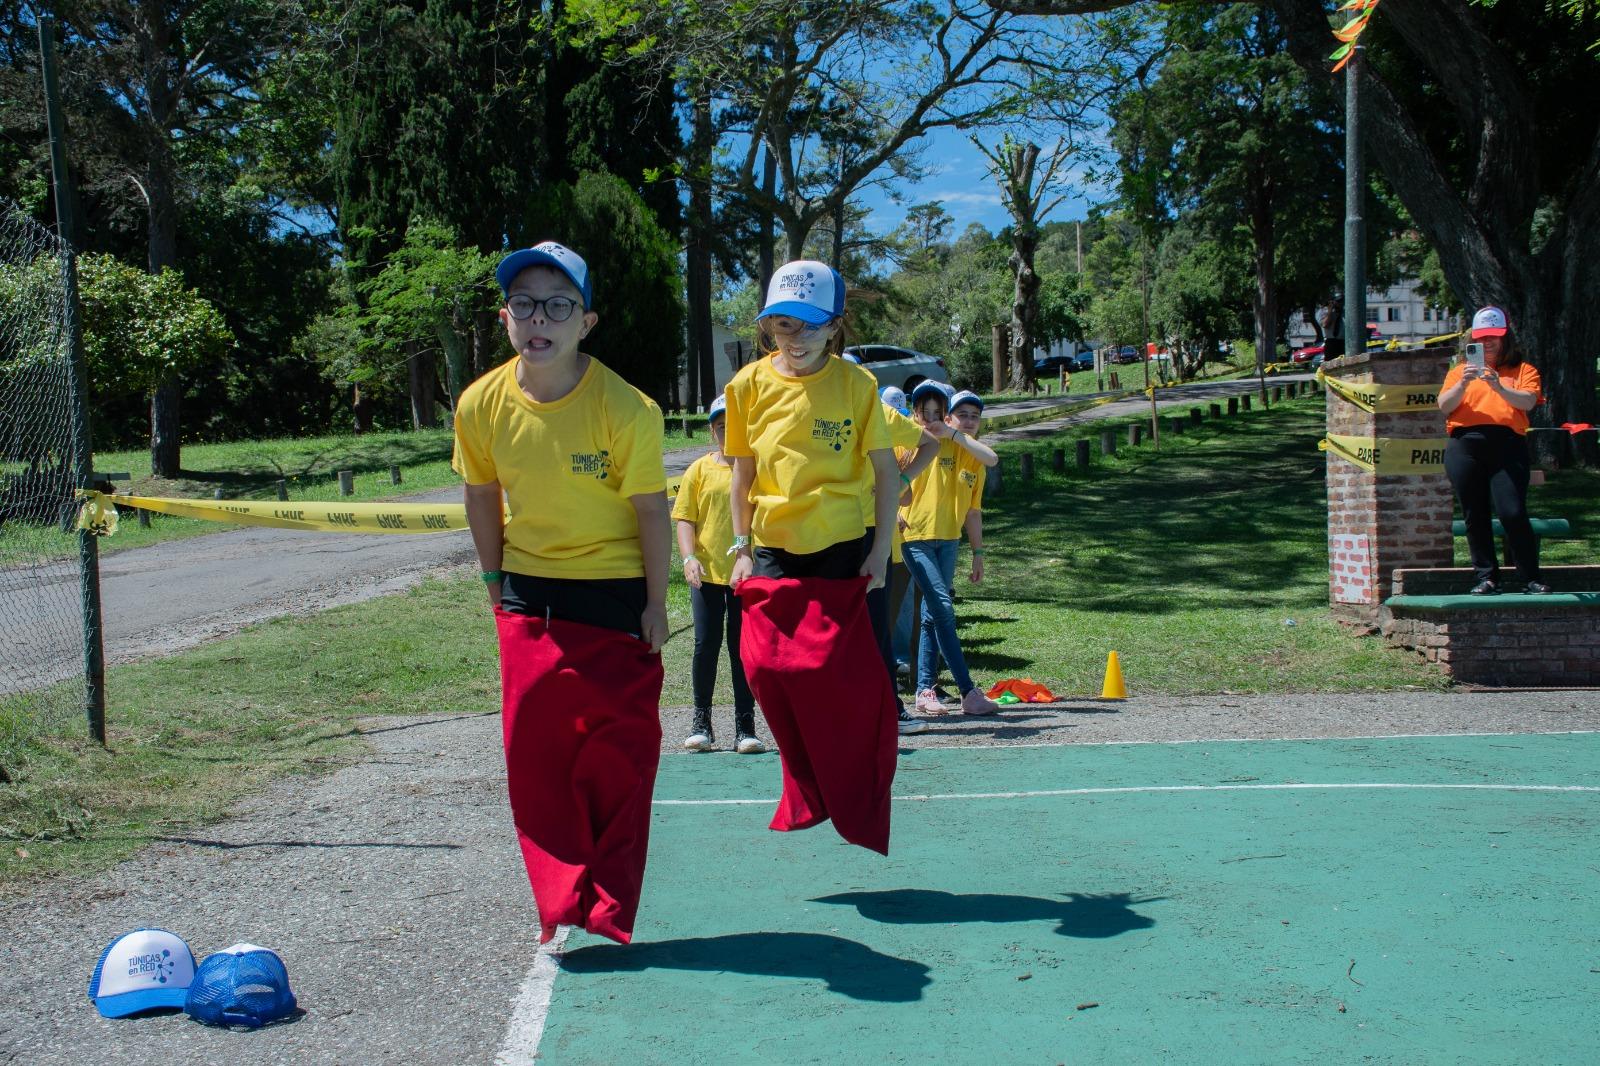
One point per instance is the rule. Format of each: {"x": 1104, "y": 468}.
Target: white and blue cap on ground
{"x": 966, "y": 396}
{"x": 718, "y": 409}
{"x": 895, "y": 397}
{"x": 549, "y": 254}
{"x": 805, "y": 289}
{"x": 244, "y": 984}
{"x": 143, "y": 970}
{"x": 929, "y": 388}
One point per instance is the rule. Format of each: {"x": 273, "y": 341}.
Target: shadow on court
{"x": 1079, "y": 914}
{"x": 850, "y": 969}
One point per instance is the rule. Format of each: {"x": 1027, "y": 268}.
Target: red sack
{"x": 580, "y": 710}
{"x": 813, "y": 664}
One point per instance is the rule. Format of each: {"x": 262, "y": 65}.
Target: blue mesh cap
{"x": 241, "y": 985}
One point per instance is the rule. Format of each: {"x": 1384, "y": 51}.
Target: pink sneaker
{"x": 928, "y": 703}
{"x": 977, "y": 704}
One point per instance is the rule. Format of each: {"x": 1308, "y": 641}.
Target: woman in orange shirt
{"x": 1486, "y": 411}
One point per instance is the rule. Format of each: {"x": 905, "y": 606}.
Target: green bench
{"x": 1559, "y": 528}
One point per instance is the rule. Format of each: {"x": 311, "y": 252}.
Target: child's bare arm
{"x": 486, "y": 517}
{"x": 655, "y": 544}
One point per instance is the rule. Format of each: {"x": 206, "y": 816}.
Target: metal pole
{"x": 94, "y": 660}
{"x": 1355, "y": 236}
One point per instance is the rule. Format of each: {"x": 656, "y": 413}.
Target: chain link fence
{"x": 41, "y": 620}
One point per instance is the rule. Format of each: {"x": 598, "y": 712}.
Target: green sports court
{"x": 1384, "y": 900}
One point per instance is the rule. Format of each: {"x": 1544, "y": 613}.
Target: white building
{"x": 1399, "y": 312}
{"x": 728, "y": 355}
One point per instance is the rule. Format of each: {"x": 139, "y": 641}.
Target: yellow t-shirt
{"x": 568, "y": 469}
{"x": 938, "y": 503}
{"x": 705, "y": 498}
{"x": 969, "y": 489}
{"x": 906, "y": 435}
{"x": 810, "y": 437}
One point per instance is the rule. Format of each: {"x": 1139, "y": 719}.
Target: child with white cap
{"x": 566, "y": 501}
{"x": 703, "y": 514}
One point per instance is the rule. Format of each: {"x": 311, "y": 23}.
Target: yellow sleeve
{"x": 686, "y": 508}
{"x": 736, "y": 437}
{"x": 636, "y": 453}
{"x": 874, "y": 426}
{"x": 472, "y": 458}
{"x": 903, "y": 432}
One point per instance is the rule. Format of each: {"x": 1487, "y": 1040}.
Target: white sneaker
{"x": 910, "y": 723}
{"x": 750, "y": 746}
{"x": 697, "y": 742}
{"x": 928, "y": 702}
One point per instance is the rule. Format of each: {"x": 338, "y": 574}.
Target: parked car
{"x": 1053, "y": 364}
{"x": 1126, "y": 354}
{"x": 1314, "y": 351}
{"x": 1083, "y": 361}
{"x": 893, "y": 365}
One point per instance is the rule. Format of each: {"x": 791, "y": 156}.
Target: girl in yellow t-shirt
{"x": 934, "y": 520}
{"x": 703, "y": 513}
{"x": 807, "y": 437}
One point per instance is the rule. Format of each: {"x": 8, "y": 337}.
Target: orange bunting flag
{"x": 1350, "y": 31}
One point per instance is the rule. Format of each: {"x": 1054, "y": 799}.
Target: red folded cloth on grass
{"x": 814, "y": 667}
{"x": 1025, "y": 689}
{"x": 581, "y": 712}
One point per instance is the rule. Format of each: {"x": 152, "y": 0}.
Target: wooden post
{"x": 1108, "y": 442}
{"x": 1080, "y": 457}
{"x": 1001, "y": 355}
{"x": 1244, "y": 402}
{"x": 1135, "y": 435}
{"x": 144, "y": 518}
{"x": 347, "y": 482}
{"x": 394, "y": 475}
{"x": 994, "y": 484}
{"x": 1058, "y": 460}
{"x": 1195, "y": 416}
{"x": 1277, "y": 394}
{"x": 1233, "y": 405}
{"x": 1027, "y": 466}
{"x": 283, "y": 489}
{"x": 1216, "y": 410}
{"x": 1177, "y": 426}
{"x": 688, "y": 430}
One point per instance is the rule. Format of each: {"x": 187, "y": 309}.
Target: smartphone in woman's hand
{"x": 1475, "y": 354}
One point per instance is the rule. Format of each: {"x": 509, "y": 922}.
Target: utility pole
{"x": 1355, "y": 235}
{"x": 94, "y": 660}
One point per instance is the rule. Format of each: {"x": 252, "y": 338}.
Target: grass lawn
{"x": 1189, "y": 563}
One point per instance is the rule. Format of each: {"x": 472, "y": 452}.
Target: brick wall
{"x": 1405, "y": 519}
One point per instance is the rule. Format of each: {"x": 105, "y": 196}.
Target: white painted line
{"x": 1112, "y": 791}
{"x": 1239, "y": 740}
{"x": 521, "y": 1044}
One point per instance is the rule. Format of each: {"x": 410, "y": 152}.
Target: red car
{"x": 1305, "y": 355}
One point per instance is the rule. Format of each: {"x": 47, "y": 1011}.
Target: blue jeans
{"x": 900, "y": 628}
{"x": 933, "y": 568}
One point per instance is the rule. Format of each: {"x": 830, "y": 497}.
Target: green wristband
{"x": 491, "y": 576}
{"x": 977, "y": 551}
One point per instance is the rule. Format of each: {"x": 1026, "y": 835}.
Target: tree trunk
{"x": 485, "y": 340}
{"x": 1024, "y": 305}
{"x": 361, "y": 408}
{"x": 166, "y": 400}
{"x": 1264, "y": 302}
{"x": 165, "y": 460}
{"x": 697, "y": 255}
{"x": 768, "y": 239}
{"x": 422, "y": 374}
{"x": 457, "y": 358}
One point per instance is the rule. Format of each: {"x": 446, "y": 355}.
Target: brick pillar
{"x": 1380, "y": 523}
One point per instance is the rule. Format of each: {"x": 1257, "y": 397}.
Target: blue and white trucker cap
{"x": 243, "y": 985}
{"x": 805, "y": 289}
{"x": 142, "y": 970}
{"x": 718, "y": 409}
{"x": 550, "y": 254}
{"x": 895, "y": 397}
{"x": 966, "y": 396}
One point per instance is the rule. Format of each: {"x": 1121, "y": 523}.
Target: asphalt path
{"x": 175, "y": 595}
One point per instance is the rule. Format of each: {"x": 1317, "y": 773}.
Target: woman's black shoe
{"x": 1486, "y": 588}
{"x": 1538, "y": 588}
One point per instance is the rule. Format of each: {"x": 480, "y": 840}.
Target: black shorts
{"x": 839, "y": 561}
{"x": 608, "y": 602}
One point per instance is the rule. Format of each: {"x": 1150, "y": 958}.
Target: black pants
{"x": 717, "y": 611}
{"x": 1489, "y": 465}
{"x": 839, "y": 562}
{"x": 610, "y": 603}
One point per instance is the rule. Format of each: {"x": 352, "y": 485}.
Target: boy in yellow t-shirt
{"x": 934, "y": 521}
{"x": 804, "y": 429}
{"x": 566, "y": 501}
{"x": 703, "y": 513}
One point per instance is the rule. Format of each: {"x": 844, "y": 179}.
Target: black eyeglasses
{"x": 556, "y": 308}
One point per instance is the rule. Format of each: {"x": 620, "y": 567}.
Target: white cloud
{"x": 966, "y": 199}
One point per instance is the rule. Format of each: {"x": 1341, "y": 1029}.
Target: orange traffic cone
{"x": 1113, "y": 688}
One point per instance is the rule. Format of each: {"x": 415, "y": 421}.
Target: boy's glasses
{"x": 783, "y": 326}
{"x": 556, "y": 308}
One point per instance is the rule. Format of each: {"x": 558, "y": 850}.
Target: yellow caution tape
{"x": 1385, "y": 399}
{"x": 1404, "y": 456}
{"x": 99, "y": 514}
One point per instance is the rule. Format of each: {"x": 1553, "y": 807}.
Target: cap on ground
{"x": 966, "y": 396}
{"x": 1489, "y": 322}
{"x": 142, "y": 970}
{"x": 243, "y": 985}
{"x": 549, "y": 254}
{"x": 805, "y": 289}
